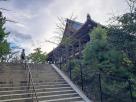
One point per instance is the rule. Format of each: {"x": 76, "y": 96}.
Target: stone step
{"x": 72, "y": 97}
{"x": 68, "y": 99}
{"x": 40, "y": 82}
{"x": 36, "y": 86}
{"x": 39, "y": 94}
{"x": 51, "y": 97}
{"x": 37, "y": 90}
{"x": 28, "y": 99}
{"x": 49, "y": 85}
{"x": 45, "y": 75}
{"x": 49, "y": 78}
{"x": 55, "y": 92}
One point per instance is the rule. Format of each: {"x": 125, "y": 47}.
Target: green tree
{"x": 100, "y": 56}
{"x": 4, "y": 45}
{"x": 127, "y": 21}
{"x": 123, "y": 37}
{"x": 37, "y": 56}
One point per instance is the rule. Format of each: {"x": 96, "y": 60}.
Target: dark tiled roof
{"x": 77, "y": 30}
{"x": 74, "y": 24}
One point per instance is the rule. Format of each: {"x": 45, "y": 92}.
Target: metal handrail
{"x": 31, "y": 81}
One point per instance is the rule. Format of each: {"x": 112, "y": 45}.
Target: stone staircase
{"x": 48, "y": 84}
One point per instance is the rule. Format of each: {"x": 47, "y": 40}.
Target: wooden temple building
{"x": 74, "y": 39}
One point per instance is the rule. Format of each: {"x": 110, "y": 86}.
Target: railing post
{"x": 130, "y": 90}
{"x": 60, "y": 65}
{"x": 100, "y": 86}
{"x": 60, "y": 58}
{"x": 69, "y": 66}
{"x": 80, "y": 64}
{"x": 67, "y": 61}
{"x": 53, "y": 56}
{"x": 29, "y": 82}
{"x": 81, "y": 76}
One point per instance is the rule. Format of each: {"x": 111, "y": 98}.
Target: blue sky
{"x": 37, "y": 19}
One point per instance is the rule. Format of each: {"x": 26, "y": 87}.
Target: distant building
{"x": 74, "y": 39}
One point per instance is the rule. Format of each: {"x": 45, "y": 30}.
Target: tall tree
{"x": 37, "y": 56}
{"x": 123, "y": 35}
{"x": 4, "y": 45}
{"x": 102, "y": 57}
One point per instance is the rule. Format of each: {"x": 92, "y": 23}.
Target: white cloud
{"x": 38, "y": 18}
